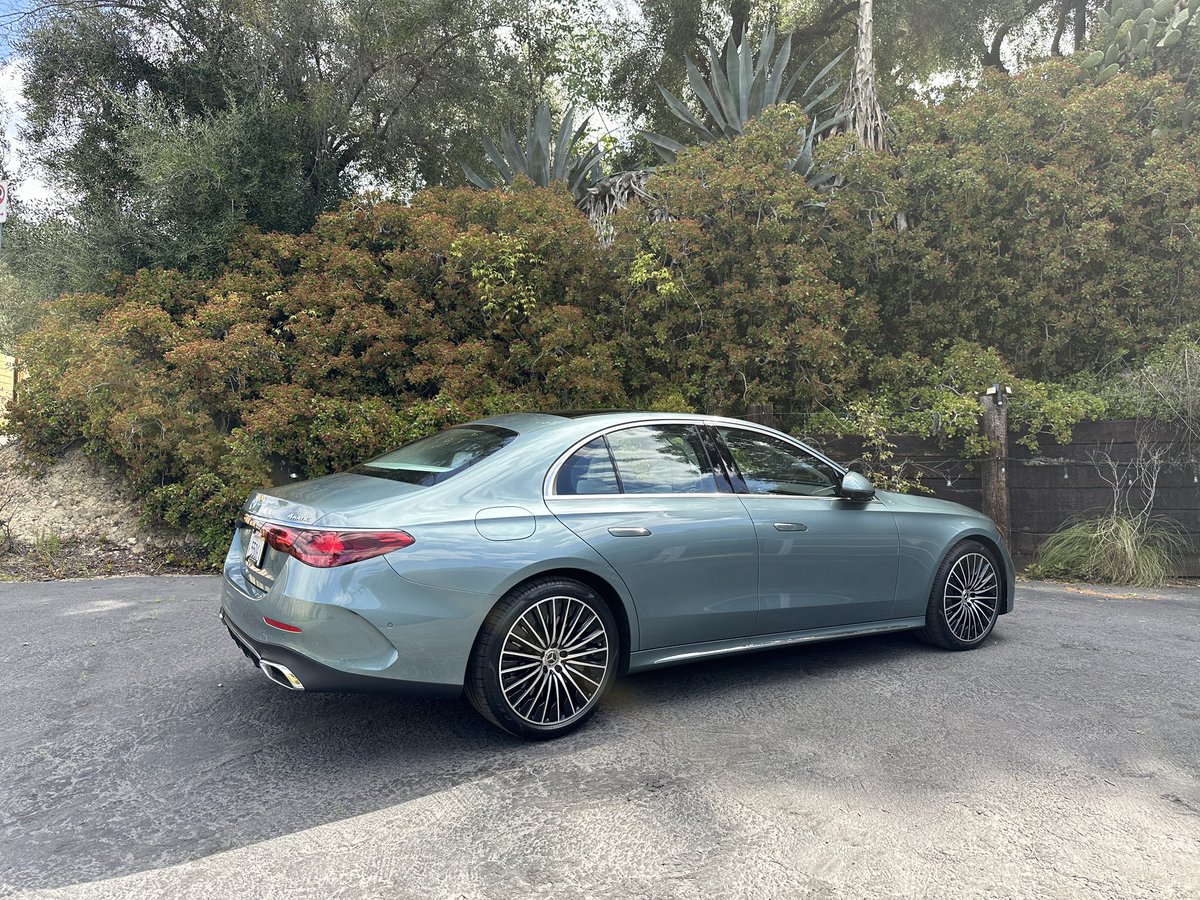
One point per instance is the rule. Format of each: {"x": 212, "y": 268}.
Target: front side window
{"x": 436, "y": 458}
{"x": 661, "y": 459}
{"x": 771, "y": 466}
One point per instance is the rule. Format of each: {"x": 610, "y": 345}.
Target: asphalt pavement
{"x": 142, "y": 756}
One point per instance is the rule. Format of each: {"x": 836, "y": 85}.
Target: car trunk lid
{"x": 332, "y": 501}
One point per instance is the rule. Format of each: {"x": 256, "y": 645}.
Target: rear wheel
{"x": 543, "y": 659}
{"x": 965, "y": 600}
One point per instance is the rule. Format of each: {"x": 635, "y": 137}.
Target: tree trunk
{"x": 1060, "y": 28}
{"x": 739, "y": 14}
{"x": 863, "y": 115}
{"x": 1080, "y": 23}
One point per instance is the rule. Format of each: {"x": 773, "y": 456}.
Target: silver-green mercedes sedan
{"x": 529, "y": 559}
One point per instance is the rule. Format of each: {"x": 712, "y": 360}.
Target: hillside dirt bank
{"x": 76, "y": 518}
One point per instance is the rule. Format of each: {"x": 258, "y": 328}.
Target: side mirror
{"x": 855, "y": 487}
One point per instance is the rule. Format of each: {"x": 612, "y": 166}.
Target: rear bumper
{"x": 287, "y": 667}
{"x": 361, "y": 627}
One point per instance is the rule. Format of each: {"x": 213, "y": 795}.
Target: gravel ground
{"x": 141, "y": 756}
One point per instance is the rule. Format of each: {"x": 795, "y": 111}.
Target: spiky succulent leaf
{"x": 680, "y": 110}
{"x": 778, "y": 67}
{"x": 667, "y": 148}
{"x": 723, "y": 91}
{"x": 705, "y": 96}
{"x": 476, "y": 179}
{"x": 825, "y": 71}
{"x": 737, "y": 87}
{"x": 545, "y": 155}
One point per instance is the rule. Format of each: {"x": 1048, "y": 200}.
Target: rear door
{"x": 823, "y": 560}
{"x": 650, "y": 501}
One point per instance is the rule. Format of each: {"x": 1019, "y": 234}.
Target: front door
{"x": 823, "y": 560}
{"x": 650, "y": 501}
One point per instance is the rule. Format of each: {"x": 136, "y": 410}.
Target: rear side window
{"x": 589, "y": 470}
{"x": 662, "y": 459}
{"x": 438, "y": 457}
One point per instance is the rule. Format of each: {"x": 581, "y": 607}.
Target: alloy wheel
{"x": 971, "y": 597}
{"x": 553, "y": 661}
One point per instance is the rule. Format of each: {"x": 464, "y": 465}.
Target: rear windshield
{"x": 440, "y": 456}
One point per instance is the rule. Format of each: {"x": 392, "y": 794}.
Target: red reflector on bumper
{"x": 281, "y": 626}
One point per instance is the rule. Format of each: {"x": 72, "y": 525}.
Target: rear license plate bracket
{"x": 255, "y": 549}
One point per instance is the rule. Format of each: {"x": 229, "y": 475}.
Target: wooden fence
{"x": 1057, "y": 482}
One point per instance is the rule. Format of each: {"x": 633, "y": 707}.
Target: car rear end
{"x": 310, "y": 595}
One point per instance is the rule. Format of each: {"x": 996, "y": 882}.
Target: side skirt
{"x": 685, "y": 653}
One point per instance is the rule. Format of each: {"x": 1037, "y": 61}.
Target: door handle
{"x": 790, "y": 526}
{"x": 633, "y": 531}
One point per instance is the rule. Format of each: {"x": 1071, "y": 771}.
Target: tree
{"x": 176, "y": 122}
{"x": 862, "y": 115}
{"x": 1053, "y": 219}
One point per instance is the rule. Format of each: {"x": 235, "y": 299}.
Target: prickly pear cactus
{"x": 1130, "y": 29}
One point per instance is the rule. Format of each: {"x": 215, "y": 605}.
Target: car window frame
{"x": 740, "y": 486}
{"x": 716, "y": 465}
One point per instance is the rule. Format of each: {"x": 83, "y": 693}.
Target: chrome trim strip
{"x": 631, "y": 496}
{"x": 255, "y": 523}
{"x": 281, "y": 675}
{"x": 549, "y": 493}
{"x": 670, "y": 656}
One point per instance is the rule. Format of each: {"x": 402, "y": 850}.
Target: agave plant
{"x": 739, "y": 86}
{"x": 547, "y": 154}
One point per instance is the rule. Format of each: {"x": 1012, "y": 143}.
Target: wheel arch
{"x": 608, "y": 593}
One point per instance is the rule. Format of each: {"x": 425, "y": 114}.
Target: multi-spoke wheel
{"x": 544, "y": 657}
{"x": 965, "y": 600}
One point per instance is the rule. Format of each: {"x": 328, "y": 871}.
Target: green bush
{"x": 731, "y": 300}
{"x": 1055, "y": 221}
{"x": 1112, "y": 549}
{"x": 311, "y": 353}
{"x": 1034, "y": 228}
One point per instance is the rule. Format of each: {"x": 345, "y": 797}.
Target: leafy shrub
{"x": 311, "y": 353}
{"x": 1112, "y": 549}
{"x": 1050, "y": 226}
{"x": 1052, "y": 220}
{"x": 731, "y": 300}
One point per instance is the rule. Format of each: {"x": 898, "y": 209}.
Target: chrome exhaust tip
{"x": 281, "y": 675}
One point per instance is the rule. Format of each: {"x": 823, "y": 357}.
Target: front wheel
{"x": 543, "y": 659}
{"x": 965, "y": 601}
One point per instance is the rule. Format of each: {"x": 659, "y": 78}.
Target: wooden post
{"x": 995, "y": 464}
{"x": 762, "y": 413}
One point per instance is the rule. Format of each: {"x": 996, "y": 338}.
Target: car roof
{"x": 575, "y": 420}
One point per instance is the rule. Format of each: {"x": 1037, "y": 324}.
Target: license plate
{"x": 254, "y": 550}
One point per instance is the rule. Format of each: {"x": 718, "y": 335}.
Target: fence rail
{"x": 1057, "y": 482}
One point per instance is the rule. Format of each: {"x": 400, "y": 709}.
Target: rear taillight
{"x": 326, "y": 549}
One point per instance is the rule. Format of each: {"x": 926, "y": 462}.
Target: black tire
{"x": 965, "y": 601}
{"x": 547, "y": 652}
